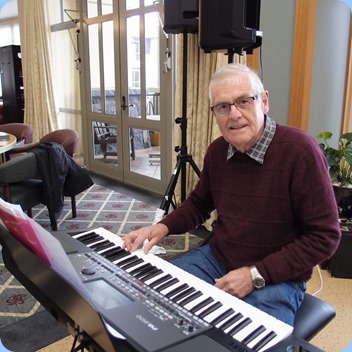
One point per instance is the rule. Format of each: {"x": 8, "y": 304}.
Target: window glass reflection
{"x": 94, "y": 64}
{"x": 105, "y": 142}
{"x": 106, "y": 7}
{"x": 145, "y": 152}
{"x": 152, "y": 59}
{"x": 134, "y": 66}
{"x": 109, "y": 67}
{"x": 92, "y": 8}
{"x": 132, "y": 4}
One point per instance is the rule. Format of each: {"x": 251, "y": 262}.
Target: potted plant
{"x": 340, "y": 169}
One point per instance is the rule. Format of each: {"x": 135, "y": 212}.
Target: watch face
{"x": 258, "y": 282}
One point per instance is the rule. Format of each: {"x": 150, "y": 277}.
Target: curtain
{"x": 40, "y": 110}
{"x": 202, "y": 128}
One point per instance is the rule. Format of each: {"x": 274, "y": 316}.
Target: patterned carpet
{"x": 96, "y": 207}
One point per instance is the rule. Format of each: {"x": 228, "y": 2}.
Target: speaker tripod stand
{"x": 183, "y": 157}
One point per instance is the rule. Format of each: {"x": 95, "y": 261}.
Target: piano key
{"x": 190, "y": 298}
{"x": 255, "y": 333}
{"x": 144, "y": 272}
{"x": 131, "y": 264}
{"x": 140, "y": 268}
{"x": 91, "y": 238}
{"x": 175, "y": 290}
{"x": 222, "y": 316}
{"x": 264, "y": 341}
{"x": 153, "y": 273}
{"x": 129, "y": 259}
{"x": 204, "y": 313}
{"x": 201, "y": 305}
{"x": 159, "y": 281}
{"x": 228, "y": 323}
{"x": 99, "y": 246}
{"x": 238, "y": 327}
{"x": 183, "y": 294}
{"x": 167, "y": 284}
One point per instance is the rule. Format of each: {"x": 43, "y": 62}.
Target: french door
{"x": 126, "y": 92}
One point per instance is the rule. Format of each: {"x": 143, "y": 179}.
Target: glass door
{"x": 125, "y": 120}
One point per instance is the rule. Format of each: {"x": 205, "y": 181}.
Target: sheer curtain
{"x": 40, "y": 110}
{"x": 202, "y": 128}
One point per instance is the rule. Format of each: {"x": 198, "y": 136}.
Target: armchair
{"x": 67, "y": 138}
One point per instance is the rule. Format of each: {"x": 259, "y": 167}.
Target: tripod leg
{"x": 194, "y": 166}
{"x": 167, "y": 200}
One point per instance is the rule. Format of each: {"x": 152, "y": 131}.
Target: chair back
{"x": 68, "y": 138}
{"x": 22, "y": 131}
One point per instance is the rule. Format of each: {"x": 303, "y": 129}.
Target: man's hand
{"x": 153, "y": 233}
{"x": 236, "y": 282}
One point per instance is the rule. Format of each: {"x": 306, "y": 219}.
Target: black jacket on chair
{"x": 61, "y": 176}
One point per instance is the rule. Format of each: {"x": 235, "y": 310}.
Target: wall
{"x": 329, "y": 67}
{"x": 277, "y": 24}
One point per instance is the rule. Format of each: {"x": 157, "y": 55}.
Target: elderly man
{"x": 277, "y": 215}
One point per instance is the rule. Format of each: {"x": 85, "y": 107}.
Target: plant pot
{"x": 155, "y": 139}
{"x": 343, "y": 197}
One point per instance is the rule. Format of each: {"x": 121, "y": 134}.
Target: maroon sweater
{"x": 280, "y": 216}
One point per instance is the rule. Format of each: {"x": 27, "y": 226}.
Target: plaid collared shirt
{"x": 257, "y": 152}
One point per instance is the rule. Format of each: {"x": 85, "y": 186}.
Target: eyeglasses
{"x": 241, "y": 104}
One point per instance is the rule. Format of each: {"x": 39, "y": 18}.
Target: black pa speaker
{"x": 229, "y": 24}
{"x": 181, "y": 16}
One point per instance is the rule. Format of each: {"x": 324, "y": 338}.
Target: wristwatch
{"x": 257, "y": 280}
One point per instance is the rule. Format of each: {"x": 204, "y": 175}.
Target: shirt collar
{"x": 258, "y": 151}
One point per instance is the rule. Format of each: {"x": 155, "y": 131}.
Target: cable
{"x": 321, "y": 281}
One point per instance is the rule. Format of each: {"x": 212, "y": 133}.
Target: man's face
{"x": 241, "y": 128}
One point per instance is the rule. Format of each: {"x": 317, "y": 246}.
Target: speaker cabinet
{"x": 181, "y": 16}
{"x": 232, "y": 25}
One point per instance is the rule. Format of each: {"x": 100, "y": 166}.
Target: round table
{"x": 7, "y": 142}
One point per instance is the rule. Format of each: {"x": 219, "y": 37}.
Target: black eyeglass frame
{"x": 254, "y": 97}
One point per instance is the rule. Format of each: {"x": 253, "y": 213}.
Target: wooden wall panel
{"x": 303, "y": 52}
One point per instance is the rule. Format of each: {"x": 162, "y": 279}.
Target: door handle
{"x": 123, "y": 105}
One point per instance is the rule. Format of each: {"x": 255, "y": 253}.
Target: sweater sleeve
{"x": 316, "y": 215}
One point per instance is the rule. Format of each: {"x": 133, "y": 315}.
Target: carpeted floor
{"x": 99, "y": 206}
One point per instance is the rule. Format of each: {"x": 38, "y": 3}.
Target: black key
{"x": 140, "y": 268}
{"x": 90, "y": 238}
{"x": 190, "y": 298}
{"x": 222, "y": 316}
{"x": 167, "y": 284}
{"x": 201, "y": 305}
{"x": 176, "y": 290}
{"x": 144, "y": 272}
{"x": 132, "y": 264}
{"x": 265, "y": 340}
{"x": 210, "y": 309}
{"x": 240, "y": 326}
{"x": 231, "y": 321}
{"x": 79, "y": 237}
{"x": 255, "y": 333}
{"x": 160, "y": 280}
{"x": 126, "y": 261}
{"x": 117, "y": 255}
{"x": 151, "y": 274}
{"x": 113, "y": 251}
{"x": 102, "y": 245}
{"x": 183, "y": 294}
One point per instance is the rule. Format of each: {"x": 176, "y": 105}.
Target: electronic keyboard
{"x": 157, "y": 306}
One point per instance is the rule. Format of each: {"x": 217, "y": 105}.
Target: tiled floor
{"x": 146, "y": 162}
